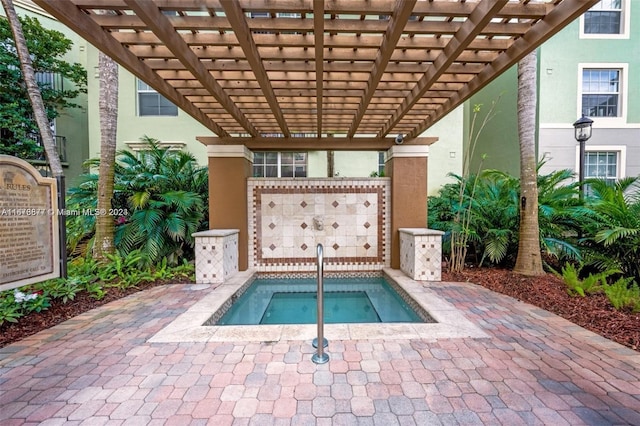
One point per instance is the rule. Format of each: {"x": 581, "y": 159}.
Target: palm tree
{"x": 108, "y": 104}
{"x": 33, "y": 90}
{"x": 529, "y": 260}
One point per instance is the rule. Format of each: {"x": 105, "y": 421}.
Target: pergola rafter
{"x": 290, "y": 69}
{"x": 159, "y": 24}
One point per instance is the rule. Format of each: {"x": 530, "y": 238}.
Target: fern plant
{"x": 624, "y": 294}
{"x": 592, "y": 284}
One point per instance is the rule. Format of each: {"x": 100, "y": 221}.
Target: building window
{"x": 604, "y": 18}
{"x": 280, "y": 164}
{"x": 601, "y": 92}
{"x": 601, "y": 165}
{"x": 381, "y": 155}
{"x": 151, "y": 103}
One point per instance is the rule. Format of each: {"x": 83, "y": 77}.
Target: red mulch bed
{"x": 594, "y": 312}
{"x": 549, "y": 292}
{"x": 59, "y": 312}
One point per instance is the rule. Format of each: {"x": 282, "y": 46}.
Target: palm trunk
{"x": 108, "y": 104}
{"x": 33, "y": 90}
{"x": 529, "y": 261}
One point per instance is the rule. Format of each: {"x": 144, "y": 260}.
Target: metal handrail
{"x": 320, "y": 357}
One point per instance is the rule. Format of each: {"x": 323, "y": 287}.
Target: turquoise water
{"x": 352, "y": 300}
{"x": 302, "y": 308}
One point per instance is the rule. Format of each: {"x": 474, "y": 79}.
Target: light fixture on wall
{"x": 583, "y": 129}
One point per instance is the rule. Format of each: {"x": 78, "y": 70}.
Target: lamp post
{"x": 582, "y": 128}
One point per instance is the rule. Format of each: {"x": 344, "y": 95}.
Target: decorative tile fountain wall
{"x": 289, "y": 217}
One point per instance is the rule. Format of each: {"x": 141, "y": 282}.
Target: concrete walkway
{"x": 534, "y": 368}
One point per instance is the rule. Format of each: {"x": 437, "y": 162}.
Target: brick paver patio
{"x": 535, "y": 368}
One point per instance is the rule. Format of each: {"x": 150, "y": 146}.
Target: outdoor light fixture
{"x": 583, "y": 129}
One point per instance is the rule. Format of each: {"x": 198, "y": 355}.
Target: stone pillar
{"x": 229, "y": 168}
{"x": 406, "y": 165}
{"x": 421, "y": 253}
{"x": 216, "y": 255}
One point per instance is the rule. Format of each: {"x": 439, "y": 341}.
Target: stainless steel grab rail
{"x": 320, "y": 357}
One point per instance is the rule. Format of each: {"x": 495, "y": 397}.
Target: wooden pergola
{"x": 278, "y": 74}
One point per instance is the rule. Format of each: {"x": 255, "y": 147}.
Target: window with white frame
{"x": 606, "y": 162}
{"x": 279, "y": 164}
{"x": 606, "y": 18}
{"x": 381, "y": 155}
{"x": 152, "y": 103}
{"x": 601, "y": 94}
{"x": 601, "y": 165}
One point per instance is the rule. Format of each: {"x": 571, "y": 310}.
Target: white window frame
{"x": 150, "y": 90}
{"x": 621, "y": 150}
{"x": 625, "y": 23}
{"x": 382, "y": 157}
{"x": 279, "y": 164}
{"x": 607, "y": 122}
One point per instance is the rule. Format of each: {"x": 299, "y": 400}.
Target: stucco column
{"x": 406, "y": 165}
{"x": 229, "y": 168}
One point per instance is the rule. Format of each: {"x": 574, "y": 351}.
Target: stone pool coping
{"x": 187, "y": 327}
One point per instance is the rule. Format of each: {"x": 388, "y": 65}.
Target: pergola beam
{"x": 236, "y": 18}
{"x": 314, "y": 144}
{"x": 82, "y": 24}
{"x": 372, "y": 7}
{"x": 318, "y": 33}
{"x": 318, "y": 67}
{"x": 161, "y": 26}
{"x": 397, "y": 22}
{"x": 479, "y": 18}
{"x": 541, "y": 31}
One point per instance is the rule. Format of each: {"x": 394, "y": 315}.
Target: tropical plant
{"x": 460, "y": 232}
{"x": 612, "y": 238}
{"x": 493, "y": 225}
{"x": 624, "y": 294}
{"x": 162, "y": 195}
{"x": 593, "y": 283}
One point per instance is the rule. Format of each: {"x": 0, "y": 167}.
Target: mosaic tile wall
{"x": 289, "y": 217}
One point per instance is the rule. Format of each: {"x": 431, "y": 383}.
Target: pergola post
{"x": 406, "y": 165}
{"x": 229, "y": 168}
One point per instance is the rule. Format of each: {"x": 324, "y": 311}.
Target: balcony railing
{"x": 61, "y": 147}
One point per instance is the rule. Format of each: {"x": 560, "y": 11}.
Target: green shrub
{"x": 86, "y": 275}
{"x": 165, "y": 195}
{"x": 494, "y": 219}
{"x": 624, "y": 294}
{"x": 63, "y": 289}
{"x": 592, "y": 284}
{"x": 10, "y": 310}
{"x": 126, "y": 271}
{"x": 612, "y": 238}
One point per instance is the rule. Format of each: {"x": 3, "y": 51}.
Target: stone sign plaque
{"x": 29, "y": 240}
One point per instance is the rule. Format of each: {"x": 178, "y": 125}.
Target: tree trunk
{"x": 108, "y": 106}
{"x": 33, "y": 90}
{"x": 529, "y": 261}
